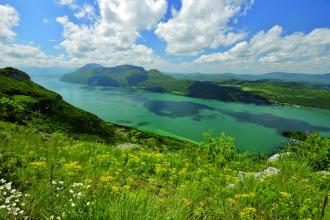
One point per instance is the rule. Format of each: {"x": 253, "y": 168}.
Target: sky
{"x": 181, "y": 36}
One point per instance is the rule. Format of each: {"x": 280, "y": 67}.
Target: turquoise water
{"x": 255, "y": 128}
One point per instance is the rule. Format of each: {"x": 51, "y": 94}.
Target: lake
{"x": 255, "y": 128}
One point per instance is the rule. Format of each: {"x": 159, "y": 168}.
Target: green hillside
{"x": 27, "y": 103}
{"x": 314, "y": 79}
{"x": 154, "y": 80}
{"x": 59, "y": 162}
{"x": 291, "y": 93}
{"x": 227, "y": 89}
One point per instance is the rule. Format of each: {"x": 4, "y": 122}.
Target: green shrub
{"x": 221, "y": 150}
{"x": 315, "y": 150}
{"x": 11, "y": 110}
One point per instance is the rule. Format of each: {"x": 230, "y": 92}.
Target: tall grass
{"x": 62, "y": 178}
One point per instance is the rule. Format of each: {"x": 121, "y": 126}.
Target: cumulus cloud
{"x": 86, "y": 11}
{"x": 132, "y": 14}
{"x": 202, "y": 24}
{"x": 8, "y": 19}
{"x": 14, "y": 54}
{"x": 273, "y": 50}
{"x": 71, "y": 3}
{"x": 112, "y": 37}
{"x": 26, "y": 54}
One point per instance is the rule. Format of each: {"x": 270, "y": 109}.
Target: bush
{"x": 221, "y": 150}
{"x": 11, "y": 110}
{"x": 315, "y": 150}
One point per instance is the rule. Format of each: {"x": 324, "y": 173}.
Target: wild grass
{"x": 62, "y": 178}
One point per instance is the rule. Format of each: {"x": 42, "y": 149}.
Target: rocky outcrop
{"x": 14, "y": 74}
{"x": 270, "y": 171}
{"x": 276, "y": 157}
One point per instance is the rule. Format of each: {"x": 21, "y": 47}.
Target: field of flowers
{"x": 61, "y": 178}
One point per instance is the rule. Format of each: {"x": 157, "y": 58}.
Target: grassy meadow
{"x": 52, "y": 176}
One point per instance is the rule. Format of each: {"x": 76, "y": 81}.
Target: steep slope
{"x": 24, "y": 102}
{"x": 154, "y": 80}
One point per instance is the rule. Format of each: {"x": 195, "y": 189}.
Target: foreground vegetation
{"x": 64, "y": 178}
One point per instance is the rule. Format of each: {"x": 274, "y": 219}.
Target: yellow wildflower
{"x": 88, "y": 181}
{"x": 106, "y": 179}
{"x": 247, "y": 212}
{"x": 285, "y": 195}
{"x": 244, "y": 195}
{"x": 73, "y": 166}
{"x": 39, "y": 164}
{"x": 102, "y": 156}
{"x": 115, "y": 188}
{"x": 232, "y": 201}
{"x": 185, "y": 201}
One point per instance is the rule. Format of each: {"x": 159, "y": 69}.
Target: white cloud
{"x": 201, "y": 24}
{"x": 9, "y": 18}
{"x": 132, "y": 14}
{"x": 71, "y": 3}
{"x": 111, "y": 39}
{"x": 18, "y": 54}
{"x": 86, "y": 11}
{"x": 29, "y": 55}
{"x": 274, "y": 51}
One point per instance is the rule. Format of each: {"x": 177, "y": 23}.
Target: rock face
{"x": 270, "y": 171}
{"x": 127, "y": 146}
{"x": 276, "y": 157}
{"x": 15, "y": 74}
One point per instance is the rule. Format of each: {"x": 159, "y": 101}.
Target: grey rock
{"x": 270, "y": 171}
{"x": 127, "y": 146}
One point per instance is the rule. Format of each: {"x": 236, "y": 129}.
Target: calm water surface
{"x": 255, "y": 128}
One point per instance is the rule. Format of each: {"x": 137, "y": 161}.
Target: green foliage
{"x": 315, "y": 150}
{"x": 220, "y": 150}
{"x": 71, "y": 179}
{"x": 11, "y": 110}
{"x": 289, "y": 93}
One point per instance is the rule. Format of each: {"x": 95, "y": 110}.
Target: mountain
{"x": 60, "y": 162}
{"x": 156, "y": 81}
{"x": 316, "y": 79}
{"x": 27, "y": 103}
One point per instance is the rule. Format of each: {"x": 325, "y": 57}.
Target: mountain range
{"x": 155, "y": 81}
{"x": 272, "y": 88}
{"x": 321, "y": 79}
